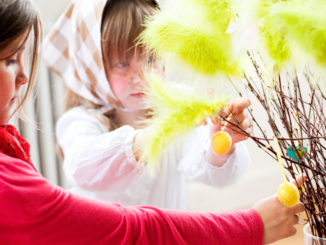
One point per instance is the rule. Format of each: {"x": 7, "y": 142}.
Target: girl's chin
{"x": 133, "y": 109}
{"x": 137, "y": 107}
{"x": 4, "y": 121}
{"x": 142, "y": 108}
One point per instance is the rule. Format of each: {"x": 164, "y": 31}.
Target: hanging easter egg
{"x": 288, "y": 194}
{"x": 297, "y": 154}
{"x": 221, "y": 142}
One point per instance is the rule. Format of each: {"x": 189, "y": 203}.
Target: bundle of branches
{"x": 294, "y": 107}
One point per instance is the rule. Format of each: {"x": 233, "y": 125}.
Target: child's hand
{"x": 239, "y": 116}
{"x": 279, "y": 220}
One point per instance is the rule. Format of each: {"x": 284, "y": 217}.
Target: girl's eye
{"x": 11, "y": 62}
{"x": 150, "y": 59}
{"x": 122, "y": 64}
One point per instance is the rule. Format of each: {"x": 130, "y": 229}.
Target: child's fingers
{"x": 215, "y": 120}
{"x": 238, "y": 126}
{"x": 297, "y": 219}
{"x": 244, "y": 123}
{"x": 294, "y": 219}
{"x": 247, "y": 123}
{"x": 223, "y": 113}
{"x": 299, "y": 180}
{"x": 249, "y": 130}
{"x": 238, "y": 105}
{"x": 239, "y": 118}
{"x": 298, "y": 208}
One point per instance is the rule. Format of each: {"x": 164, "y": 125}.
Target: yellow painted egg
{"x": 288, "y": 194}
{"x": 221, "y": 142}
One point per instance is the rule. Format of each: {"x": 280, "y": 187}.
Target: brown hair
{"x": 18, "y": 16}
{"x": 73, "y": 100}
{"x": 122, "y": 22}
{"x": 129, "y": 14}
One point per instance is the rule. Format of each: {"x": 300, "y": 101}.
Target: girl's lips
{"x": 138, "y": 95}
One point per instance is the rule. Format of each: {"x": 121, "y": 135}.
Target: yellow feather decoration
{"x": 198, "y": 38}
{"x": 273, "y": 35}
{"x": 304, "y": 23}
{"x": 174, "y": 114}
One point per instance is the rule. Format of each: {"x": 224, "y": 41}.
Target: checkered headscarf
{"x": 73, "y": 50}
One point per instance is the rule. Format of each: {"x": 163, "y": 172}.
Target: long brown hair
{"x": 122, "y": 22}
{"x": 18, "y": 16}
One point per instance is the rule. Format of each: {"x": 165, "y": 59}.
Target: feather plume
{"x": 292, "y": 24}
{"x": 174, "y": 114}
{"x": 273, "y": 35}
{"x": 199, "y": 39}
{"x": 305, "y": 25}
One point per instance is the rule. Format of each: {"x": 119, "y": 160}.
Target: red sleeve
{"x": 32, "y": 211}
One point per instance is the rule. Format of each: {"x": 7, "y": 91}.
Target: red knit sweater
{"x": 32, "y": 211}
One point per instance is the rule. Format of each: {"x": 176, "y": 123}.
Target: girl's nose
{"x": 138, "y": 76}
{"x": 141, "y": 73}
{"x": 21, "y": 78}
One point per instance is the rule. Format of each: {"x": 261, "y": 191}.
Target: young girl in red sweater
{"x": 33, "y": 211}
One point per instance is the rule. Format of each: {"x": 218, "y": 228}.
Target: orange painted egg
{"x": 221, "y": 142}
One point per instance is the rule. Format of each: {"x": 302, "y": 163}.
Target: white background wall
{"x": 261, "y": 180}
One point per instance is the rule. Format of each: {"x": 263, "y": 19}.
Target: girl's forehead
{"x": 127, "y": 54}
{"x": 14, "y": 46}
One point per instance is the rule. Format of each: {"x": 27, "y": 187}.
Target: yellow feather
{"x": 174, "y": 114}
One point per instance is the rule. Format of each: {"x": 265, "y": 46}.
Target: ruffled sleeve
{"x": 196, "y": 167}
{"x": 94, "y": 158}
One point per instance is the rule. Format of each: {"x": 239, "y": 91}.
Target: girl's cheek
{"x": 119, "y": 86}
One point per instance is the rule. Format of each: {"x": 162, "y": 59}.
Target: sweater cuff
{"x": 257, "y": 227}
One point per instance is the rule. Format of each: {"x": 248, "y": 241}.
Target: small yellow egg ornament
{"x": 221, "y": 142}
{"x": 288, "y": 194}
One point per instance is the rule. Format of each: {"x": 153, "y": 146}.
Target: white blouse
{"x": 100, "y": 164}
